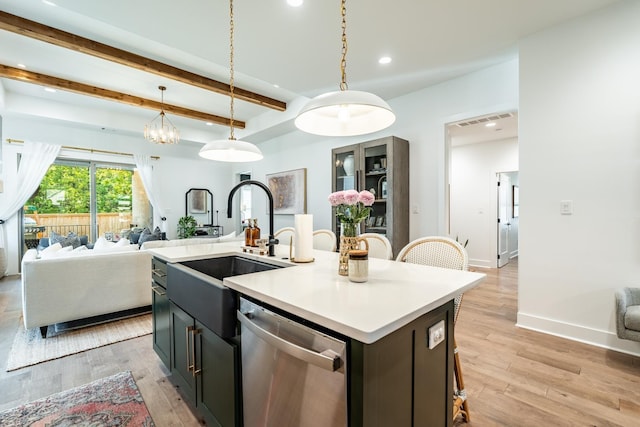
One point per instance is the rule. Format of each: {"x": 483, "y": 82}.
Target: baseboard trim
{"x": 484, "y": 263}
{"x": 590, "y": 336}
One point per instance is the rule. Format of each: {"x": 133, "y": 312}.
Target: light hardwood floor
{"x": 513, "y": 377}
{"x": 165, "y": 405}
{"x": 517, "y": 377}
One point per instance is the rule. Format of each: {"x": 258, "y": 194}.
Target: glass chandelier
{"x": 161, "y": 130}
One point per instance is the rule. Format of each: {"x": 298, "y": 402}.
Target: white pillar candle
{"x": 303, "y": 240}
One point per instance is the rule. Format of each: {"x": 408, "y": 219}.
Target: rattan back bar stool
{"x": 439, "y": 251}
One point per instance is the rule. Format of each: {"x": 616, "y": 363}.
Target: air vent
{"x": 486, "y": 119}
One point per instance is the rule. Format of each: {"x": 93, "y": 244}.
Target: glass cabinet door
{"x": 346, "y": 168}
{"x": 375, "y": 180}
{"x": 380, "y": 166}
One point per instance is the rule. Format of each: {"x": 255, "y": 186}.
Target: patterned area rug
{"x": 29, "y": 348}
{"x": 111, "y": 401}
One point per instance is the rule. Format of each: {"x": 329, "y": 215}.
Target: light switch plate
{"x": 436, "y": 334}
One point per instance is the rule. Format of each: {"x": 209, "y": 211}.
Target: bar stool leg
{"x": 460, "y": 404}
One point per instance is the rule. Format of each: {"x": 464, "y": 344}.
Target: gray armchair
{"x": 628, "y": 313}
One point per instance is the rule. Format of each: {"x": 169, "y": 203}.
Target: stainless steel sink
{"x": 196, "y": 287}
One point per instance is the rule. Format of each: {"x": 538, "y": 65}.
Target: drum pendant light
{"x": 231, "y": 150}
{"x": 345, "y": 112}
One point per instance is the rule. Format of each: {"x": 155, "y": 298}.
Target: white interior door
{"x": 504, "y": 216}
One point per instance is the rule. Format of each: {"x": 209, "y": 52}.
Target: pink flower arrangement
{"x": 352, "y": 207}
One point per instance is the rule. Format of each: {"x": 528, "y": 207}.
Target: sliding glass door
{"x": 86, "y": 198}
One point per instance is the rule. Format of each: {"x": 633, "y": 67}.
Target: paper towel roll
{"x": 303, "y": 240}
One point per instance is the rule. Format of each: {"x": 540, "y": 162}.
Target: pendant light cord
{"x": 343, "y": 61}
{"x": 231, "y": 77}
{"x": 162, "y": 89}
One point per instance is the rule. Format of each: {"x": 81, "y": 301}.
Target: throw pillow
{"x": 147, "y": 235}
{"x": 123, "y": 242}
{"x": 71, "y": 239}
{"x": 50, "y": 250}
{"x": 103, "y": 244}
{"x": 128, "y": 248}
{"x": 64, "y": 252}
{"x": 80, "y": 249}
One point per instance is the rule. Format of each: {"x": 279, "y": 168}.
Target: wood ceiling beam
{"x": 84, "y": 89}
{"x": 71, "y": 41}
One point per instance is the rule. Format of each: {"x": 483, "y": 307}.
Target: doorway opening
{"x": 477, "y": 149}
{"x": 244, "y": 203}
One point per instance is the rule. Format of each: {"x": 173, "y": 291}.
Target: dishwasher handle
{"x": 328, "y": 359}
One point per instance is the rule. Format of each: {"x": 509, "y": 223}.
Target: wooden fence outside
{"x": 80, "y": 223}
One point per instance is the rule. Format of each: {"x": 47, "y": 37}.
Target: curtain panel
{"x": 143, "y": 163}
{"x": 34, "y": 163}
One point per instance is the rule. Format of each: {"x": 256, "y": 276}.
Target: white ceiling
{"x": 297, "y": 49}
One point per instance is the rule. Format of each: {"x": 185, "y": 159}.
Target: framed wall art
{"x": 289, "y": 191}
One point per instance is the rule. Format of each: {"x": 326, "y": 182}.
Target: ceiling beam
{"x": 71, "y": 41}
{"x": 84, "y": 89}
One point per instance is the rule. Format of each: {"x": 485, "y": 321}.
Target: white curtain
{"x": 143, "y": 163}
{"x": 34, "y": 163}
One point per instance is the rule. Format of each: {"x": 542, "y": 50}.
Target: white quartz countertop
{"x": 395, "y": 294}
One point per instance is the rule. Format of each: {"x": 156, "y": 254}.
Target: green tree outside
{"x": 65, "y": 189}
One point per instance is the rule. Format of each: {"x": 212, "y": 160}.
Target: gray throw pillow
{"x": 71, "y": 239}
{"x": 134, "y": 237}
{"x": 147, "y": 235}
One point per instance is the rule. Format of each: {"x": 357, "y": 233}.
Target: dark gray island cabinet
{"x": 399, "y": 381}
{"x": 205, "y": 367}
{"x": 394, "y": 374}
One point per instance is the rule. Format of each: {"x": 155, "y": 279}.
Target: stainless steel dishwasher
{"x": 292, "y": 375}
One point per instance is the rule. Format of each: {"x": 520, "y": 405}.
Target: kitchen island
{"x": 394, "y": 374}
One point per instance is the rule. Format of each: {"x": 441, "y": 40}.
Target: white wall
{"x": 580, "y": 140}
{"x": 474, "y": 195}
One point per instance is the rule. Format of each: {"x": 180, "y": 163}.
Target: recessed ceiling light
{"x": 49, "y": 3}
{"x": 209, "y": 124}
{"x": 295, "y": 3}
{"x": 490, "y": 125}
{"x": 22, "y": 66}
{"x": 276, "y": 85}
{"x": 384, "y": 60}
{"x": 50, "y": 89}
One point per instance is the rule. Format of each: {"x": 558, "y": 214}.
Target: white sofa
{"x": 154, "y": 244}
{"x": 67, "y": 288}
{"x": 66, "y": 285}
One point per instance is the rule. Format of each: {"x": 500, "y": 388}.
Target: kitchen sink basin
{"x": 228, "y": 266}
{"x": 196, "y": 287}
